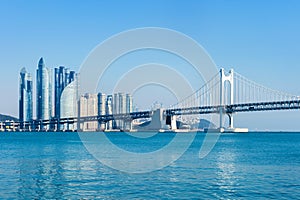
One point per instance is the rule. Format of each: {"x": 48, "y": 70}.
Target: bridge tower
{"x": 223, "y": 80}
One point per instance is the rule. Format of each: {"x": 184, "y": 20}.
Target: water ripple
{"x": 57, "y": 166}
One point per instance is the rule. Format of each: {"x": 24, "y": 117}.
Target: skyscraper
{"x": 88, "y": 107}
{"x": 25, "y": 97}
{"x": 122, "y": 109}
{"x": 63, "y": 77}
{"x": 43, "y": 92}
{"x": 119, "y": 107}
{"x": 101, "y": 109}
{"x": 109, "y": 111}
{"x": 129, "y": 109}
{"x": 122, "y": 104}
{"x": 129, "y": 103}
{"x": 115, "y": 109}
{"x": 68, "y": 103}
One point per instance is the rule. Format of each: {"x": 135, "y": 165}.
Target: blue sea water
{"x": 240, "y": 166}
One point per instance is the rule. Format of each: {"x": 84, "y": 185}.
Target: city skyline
{"x": 255, "y": 38}
{"x": 218, "y": 93}
{"x": 48, "y": 96}
{"x": 61, "y": 100}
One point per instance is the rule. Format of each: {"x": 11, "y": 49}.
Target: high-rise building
{"x": 43, "y": 92}
{"x": 122, "y": 104}
{"x": 129, "y": 103}
{"x": 129, "y": 109}
{"x": 101, "y": 104}
{"x": 115, "y": 103}
{"x": 109, "y": 111}
{"x": 88, "y": 107}
{"x": 101, "y": 108}
{"x": 119, "y": 107}
{"x": 25, "y": 97}
{"x": 68, "y": 104}
{"x": 122, "y": 109}
{"x": 63, "y": 77}
{"x": 115, "y": 109}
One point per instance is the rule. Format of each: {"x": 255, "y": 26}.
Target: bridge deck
{"x": 235, "y": 108}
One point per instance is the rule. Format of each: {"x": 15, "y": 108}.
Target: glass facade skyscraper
{"x": 64, "y": 95}
{"x": 129, "y": 109}
{"x": 63, "y": 77}
{"x": 121, "y": 104}
{"x": 101, "y": 109}
{"x": 43, "y": 92}
{"x": 129, "y": 103}
{"x": 25, "y": 97}
{"x": 68, "y": 103}
{"x": 109, "y": 111}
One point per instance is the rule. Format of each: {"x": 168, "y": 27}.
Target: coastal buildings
{"x": 68, "y": 104}
{"x": 101, "y": 109}
{"x": 129, "y": 109}
{"x": 62, "y": 78}
{"x": 65, "y": 95}
{"x": 119, "y": 107}
{"x": 109, "y": 111}
{"x": 101, "y": 104}
{"x": 25, "y": 97}
{"x": 43, "y": 92}
{"x": 88, "y": 107}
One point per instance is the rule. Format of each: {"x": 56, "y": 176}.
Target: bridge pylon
{"x": 223, "y": 96}
{"x": 227, "y": 98}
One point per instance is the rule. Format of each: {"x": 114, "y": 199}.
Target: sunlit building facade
{"x": 119, "y": 107}
{"x": 101, "y": 109}
{"x": 122, "y": 104}
{"x": 100, "y": 105}
{"x": 129, "y": 103}
{"x": 62, "y": 78}
{"x": 43, "y": 92}
{"x": 109, "y": 111}
{"x": 25, "y": 97}
{"x": 68, "y": 104}
{"x": 88, "y": 107}
{"x": 129, "y": 109}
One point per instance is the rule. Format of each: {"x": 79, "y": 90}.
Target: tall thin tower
{"x": 25, "y": 97}
{"x": 43, "y": 92}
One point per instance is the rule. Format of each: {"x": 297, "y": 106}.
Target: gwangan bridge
{"x": 225, "y": 94}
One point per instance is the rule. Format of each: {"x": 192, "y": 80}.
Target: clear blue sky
{"x": 259, "y": 39}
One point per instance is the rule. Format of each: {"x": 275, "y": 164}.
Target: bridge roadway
{"x": 227, "y": 109}
{"x": 125, "y": 116}
{"x": 100, "y": 118}
{"x": 235, "y": 108}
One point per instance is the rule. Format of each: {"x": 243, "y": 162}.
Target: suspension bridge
{"x": 231, "y": 93}
{"x": 225, "y": 94}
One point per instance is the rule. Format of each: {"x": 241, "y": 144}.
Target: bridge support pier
{"x": 128, "y": 125}
{"x": 173, "y": 122}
